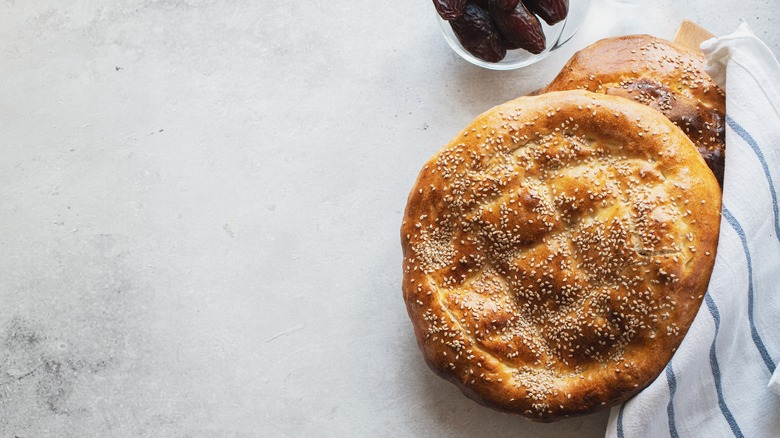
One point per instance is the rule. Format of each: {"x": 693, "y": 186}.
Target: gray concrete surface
{"x": 199, "y": 212}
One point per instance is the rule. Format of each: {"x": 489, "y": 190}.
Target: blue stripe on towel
{"x": 750, "y": 141}
{"x": 672, "y": 381}
{"x": 620, "y": 421}
{"x": 770, "y": 364}
{"x": 716, "y": 370}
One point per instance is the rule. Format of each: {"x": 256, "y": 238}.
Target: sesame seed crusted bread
{"x": 660, "y": 74}
{"x": 556, "y": 252}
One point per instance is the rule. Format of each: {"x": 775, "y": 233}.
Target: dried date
{"x": 450, "y": 9}
{"x": 478, "y": 34}
{"x": 506, "y": 5}
{"x": 551, "y": 11}
{"x": 519, "y": 28}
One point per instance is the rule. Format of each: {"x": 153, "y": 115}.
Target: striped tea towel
{"x": 718, "y": 382}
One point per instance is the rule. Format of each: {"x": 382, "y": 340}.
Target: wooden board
{"x": 691, "y": 35}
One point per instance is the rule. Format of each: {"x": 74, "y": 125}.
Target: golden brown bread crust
{"x": 660, "y": 74}
{"x": 556, "y": 252}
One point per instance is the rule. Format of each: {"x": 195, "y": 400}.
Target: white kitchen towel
{"x": 718, "y": 382}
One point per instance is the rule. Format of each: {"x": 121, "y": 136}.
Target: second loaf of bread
{"x": 660, "y": 74}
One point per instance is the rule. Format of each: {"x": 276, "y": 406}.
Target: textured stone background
{"x": 199, "y": 211}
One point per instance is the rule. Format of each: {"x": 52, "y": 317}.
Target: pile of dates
{"x": 488, "y": 28}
